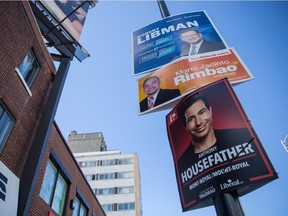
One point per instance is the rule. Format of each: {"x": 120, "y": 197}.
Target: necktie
{"x": 150, "y": 102}
{"x": 193, "y": 50}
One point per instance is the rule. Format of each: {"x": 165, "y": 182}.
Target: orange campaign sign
{"x": 186, "y": 75}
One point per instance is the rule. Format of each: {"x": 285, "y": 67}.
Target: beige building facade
{"x": 114, "y": 177}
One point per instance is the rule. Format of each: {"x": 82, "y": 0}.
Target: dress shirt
{"x": 197, "y": 46}
{"x": 154, "y": 97}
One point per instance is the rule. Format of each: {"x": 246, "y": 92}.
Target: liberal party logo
{"x": 230, "y": 183}
{"x": 172, "y": 117}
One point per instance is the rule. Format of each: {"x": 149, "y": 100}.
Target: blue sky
{"x": 100, "y": 94}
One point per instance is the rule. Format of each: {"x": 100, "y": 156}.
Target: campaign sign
{"x": 168, "y": 39}
{"x": 217, "y": 153}
{"x": 185, "y": 76}
{"x": 70, "y": 15}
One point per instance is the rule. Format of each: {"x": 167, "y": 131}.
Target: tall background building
{"x": 114, "y": 177}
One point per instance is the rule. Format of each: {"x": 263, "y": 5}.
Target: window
{"x": 54, "y": 188}
{"x": 107, "y": 162}
{"x": 90, "y": 177}
{"x": 80, "y": 208}
{"x": 125, "y": 161}
{"x": 6, "y": 124}
{"x": 29, "y": 68}
{"x": 82, "y": 164}
{"x": 88, "y": 163}
{"x": 125, "y": 206}
{"x": 107, "y": 207}
{"x": 105, "y": 191}
{"x": 126, "y": 190}
{"x": 106, "y": 176}
{"x": 123, "y": 175}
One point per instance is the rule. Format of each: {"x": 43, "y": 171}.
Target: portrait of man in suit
{"x": 194, "y": 43}
{"x": 156, "y": 95}
{"x": 208, "y": 132}
{"x": 196, "y": 115}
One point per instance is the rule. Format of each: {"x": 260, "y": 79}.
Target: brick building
{"x": 38, "y": 173}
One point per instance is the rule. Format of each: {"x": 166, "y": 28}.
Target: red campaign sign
{"x": 214, "y": 147}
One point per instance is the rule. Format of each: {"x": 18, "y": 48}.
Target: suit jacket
{"x": 226, "y": 138}
{"x": 163, "y": 96}
{"x": 206, "y": 46}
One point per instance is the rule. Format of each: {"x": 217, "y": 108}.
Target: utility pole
{"x": 163, "y": 8}
{"x": 33, "y": 163}
{"x": 226, "y": 204}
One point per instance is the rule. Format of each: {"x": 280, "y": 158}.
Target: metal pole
{"x": 228, "y": 204}
{"x": 163, "y": 8}
{"x": 33, "y": 163}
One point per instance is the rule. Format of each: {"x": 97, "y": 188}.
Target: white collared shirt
{"x": 197, "y": 46}
{"x": 154, "y": 97}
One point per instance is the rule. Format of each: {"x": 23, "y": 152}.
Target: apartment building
{"x": 113, "y": 177}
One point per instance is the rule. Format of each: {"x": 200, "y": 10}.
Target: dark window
{"x": 125, "y": 161}
{"x": 54, "y": 188}
{"x": 126, "y": 190}
{"x": 107, "y": 162}
{"x": 29, "y": 68}
{"x": 103, "y": 176}
{"x": 6, "y": 124}
{"x": 107, "y": 207}
{"x": 125, "y": 206}
{"x": 90, "y": 177}
{"x": 105, "y": 191}
{"x": 80, "y": 208}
